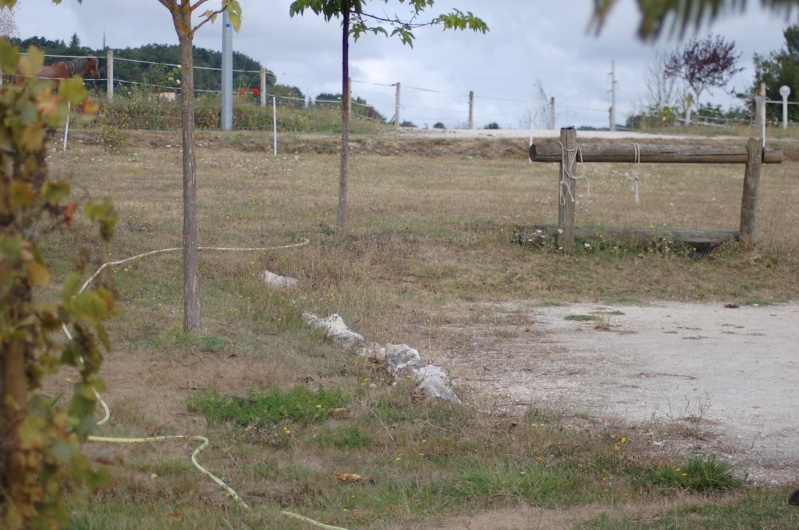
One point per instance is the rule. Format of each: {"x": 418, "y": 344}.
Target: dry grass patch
{"x": 429, "y": 232}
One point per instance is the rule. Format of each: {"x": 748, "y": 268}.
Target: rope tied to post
{"x": 637, "y": 166}
{"x": 567, "y": 158}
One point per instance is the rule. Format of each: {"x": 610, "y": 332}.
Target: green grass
{"x": 261, "y": 409}
{"x": 581, "y": 318}
{"x": 700, "y": 474}
{"x": 754, "y": 508}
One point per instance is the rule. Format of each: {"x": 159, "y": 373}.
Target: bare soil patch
{"x": 688, "y": 376}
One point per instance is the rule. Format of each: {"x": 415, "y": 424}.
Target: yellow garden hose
{"x": 203, "y": 439}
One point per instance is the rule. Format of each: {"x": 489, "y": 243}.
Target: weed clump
{"x": 700, "y": 474}
{"x": 259, "y": 409}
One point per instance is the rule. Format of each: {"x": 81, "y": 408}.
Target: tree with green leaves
{"x": 780, "y": 68}
{"x": 42, "y": 469}
{"x": 182, "y": 11}
{"x": 355, "y": 22}
{"x": 74, "y": 42}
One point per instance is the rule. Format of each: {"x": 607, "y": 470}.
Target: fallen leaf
{"x": 69, "y": 211}
{"x": 349, "y": 477}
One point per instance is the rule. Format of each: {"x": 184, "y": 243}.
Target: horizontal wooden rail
{"x": 547, "y": 234}
{"x": 567, "y": 152}
{"x": 653, "y": 153}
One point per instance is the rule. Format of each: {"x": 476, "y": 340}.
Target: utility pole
{"x": 397, "y": 107}
{"x": 227, "y": 73}
{"x": 471, "y": 109}
{"x": 613, "y": 83}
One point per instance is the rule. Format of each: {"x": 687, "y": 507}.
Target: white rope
{"x": 566, "y": 160}
{"x": 637, "y": 162}
{"x": 203, "y": 439}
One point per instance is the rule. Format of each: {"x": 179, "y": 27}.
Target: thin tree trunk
{"x": 341, "y": 221}
{"x": 14, "y": 403}
{"x": 191, "y": 281}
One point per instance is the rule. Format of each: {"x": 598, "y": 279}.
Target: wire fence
{"x": 150, "y": 105}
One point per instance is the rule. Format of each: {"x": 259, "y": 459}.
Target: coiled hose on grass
{"x": 203, "y": 439}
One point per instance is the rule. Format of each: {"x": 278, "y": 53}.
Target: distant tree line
{"x": 158, "y": 76}
{"x": 781, "y": 68}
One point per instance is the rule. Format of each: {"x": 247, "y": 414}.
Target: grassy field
{"x": 301, "y": 425}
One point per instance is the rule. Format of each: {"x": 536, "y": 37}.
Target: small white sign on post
{"x": 785, "y": 91}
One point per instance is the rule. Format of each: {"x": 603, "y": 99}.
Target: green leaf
{"x": 27, "y": 321}
{"x": 71, "y": 285}
{"x": 31, "y": 61}
{"x": 9, "y": 56}
{"x": 98, "y": 479}
{"x": 234, "y": 13}
{"x": 102, "y": 336}
{"x": 73, "y": 91}
{"x": 11, "y": 248}
{"x": 235, "y": 21}
{"x": 54, "y": 192}
{"x": 20, "y": 194}
{"x": 32, "y": 138}
{"x": 60, "y": 450}
{"x": 38, "y": 273}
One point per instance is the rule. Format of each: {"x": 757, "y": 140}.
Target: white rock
{"x": 433, "y": 382}
{"x": 333, "y": 326}
{"x": 275, "y": 280}
{"x": 402, "y": 357}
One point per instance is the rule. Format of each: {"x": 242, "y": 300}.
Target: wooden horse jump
{"x": 566, "y": 153}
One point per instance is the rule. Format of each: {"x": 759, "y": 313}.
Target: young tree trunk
{"x": 14, "y": 395}
{"x": 191, "y": 281}
{"x": 13, "y": 379}
{"x": 341, "y": 221}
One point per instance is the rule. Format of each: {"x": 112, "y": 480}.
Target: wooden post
{"x": 109, "y": 78}
{"x": 750, "y": 196}
{"x": 567, "y": 190}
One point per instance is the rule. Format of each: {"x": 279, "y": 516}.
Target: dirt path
{"x": 718, "y": 379}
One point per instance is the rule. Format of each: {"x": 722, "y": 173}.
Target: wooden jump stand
{"x": 566, "y": 153}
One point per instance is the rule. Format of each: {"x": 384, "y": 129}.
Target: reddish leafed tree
{"x": 704, "y": 63}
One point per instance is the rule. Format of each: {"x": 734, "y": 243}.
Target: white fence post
{"x": 397, "y": 107}
{"x": 274, "y": 124}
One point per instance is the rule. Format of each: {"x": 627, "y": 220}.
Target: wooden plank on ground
{"x": 636, "y": 237}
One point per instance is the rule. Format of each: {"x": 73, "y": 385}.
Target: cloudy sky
{"x": 532, "y": 45}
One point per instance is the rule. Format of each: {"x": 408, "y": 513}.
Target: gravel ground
{"x": 728, "y": 375}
